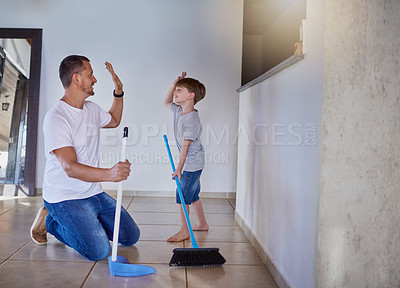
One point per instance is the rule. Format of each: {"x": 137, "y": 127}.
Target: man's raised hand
{"x": 117, "y": 82}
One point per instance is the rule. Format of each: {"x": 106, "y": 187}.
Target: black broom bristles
{"x": 196, "y": 257}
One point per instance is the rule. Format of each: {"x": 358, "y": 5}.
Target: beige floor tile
{"x": 235, "y": 253}
{"x": 218, "y": 208}
{"x": 157, "y": 207}
{"x": 158, "y": 218}
{"x": 232, "y": 202}
{"x": 14, "y": 227}
{"x": 34, "y": 204}
{"x": 15, "y": 199}
{"x": 230, "y": 276}
{"x": 155, "y": 218}
{"x": 6, "y": 205}
{"x": 53, "y": 250}
{"x": 35, "y": 200}
{"x": 228, "y": 234}
{"x": 21, "y": 273}
{"x": 165, "y": 277}
{"x": 22, "y": 212}
{"x": 148, "y": 252}
{"x": 173, "y": 207}
{"x": 219, "y": 219}
{"x": 4, "y": 210}
{"x": 125, "y": 204}
{"x": 213, "y": 200}
{"x": 126, "y": 200}
{"x": 140, "y": 199}
{"x": 10, "y": 245}
{"x": 173, "y": 200}
{"x": 157, "y": 232}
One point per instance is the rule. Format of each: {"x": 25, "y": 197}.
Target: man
{"x": 77, "y": 211}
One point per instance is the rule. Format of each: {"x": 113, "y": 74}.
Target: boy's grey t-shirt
{"x": 188, "y": 127}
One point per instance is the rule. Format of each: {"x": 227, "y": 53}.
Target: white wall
{"x": 149, "y": 43}
{"x": 359, "y": 221}
{"x": 279, "y": 159}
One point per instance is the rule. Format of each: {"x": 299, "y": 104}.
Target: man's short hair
{"x": 69, "y": 66}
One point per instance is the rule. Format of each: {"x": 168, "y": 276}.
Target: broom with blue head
{"x": 119, "y": 265}
{"x": 194, "y": 256}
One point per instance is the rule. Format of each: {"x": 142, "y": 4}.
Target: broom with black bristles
{"x": 194, "y": 256}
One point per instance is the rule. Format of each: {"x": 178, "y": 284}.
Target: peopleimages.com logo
{"x": 261, "y": 134}
{"x": 219, "y": 143}
{"x": 160, "y": 158}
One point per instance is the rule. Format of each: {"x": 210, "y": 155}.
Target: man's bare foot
{"x": 178, "y": 237}
{"x": 200, "y": 227}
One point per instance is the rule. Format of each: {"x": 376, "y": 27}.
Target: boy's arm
{"x": 170, "y": 94}
{"x": 118, "y": 102}
{"x": 182, "y": 158}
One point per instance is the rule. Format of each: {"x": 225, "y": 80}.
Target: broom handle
{"x": 194, "y": 243}
{"x": 119, "y": 202}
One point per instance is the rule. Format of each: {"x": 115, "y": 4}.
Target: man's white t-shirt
{"x": 67, "y": 126}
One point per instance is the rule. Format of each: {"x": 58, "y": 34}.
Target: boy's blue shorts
{"x": 190, "y": 185}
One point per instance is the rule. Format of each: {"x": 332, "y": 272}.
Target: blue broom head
{"x": 123, "y": 268}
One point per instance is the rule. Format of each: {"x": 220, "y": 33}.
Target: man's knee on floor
{"x": 97, "y": 252}
{"x": 130, "y": 238}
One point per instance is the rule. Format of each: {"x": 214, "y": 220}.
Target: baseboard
{"x": 265, "y": 257}
{"x": 143, "y": 193}
{"x": 38, "y": 191}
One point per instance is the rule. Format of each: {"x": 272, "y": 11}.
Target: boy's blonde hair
{"x": 193, "y": 86}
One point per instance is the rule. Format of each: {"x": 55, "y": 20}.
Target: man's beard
{"x": 89, "y": 90}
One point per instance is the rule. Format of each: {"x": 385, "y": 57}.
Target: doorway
{"x": 20, "y": 64}
{"x": 14, "y": 81}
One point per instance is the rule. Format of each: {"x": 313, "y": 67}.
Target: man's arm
{"x": 116, "y": 112}
{"x": 182, "y": 158}
{"x": 170, "y": 94}
{"x": 68, "y": 159}
{"x": 118, "y": 102}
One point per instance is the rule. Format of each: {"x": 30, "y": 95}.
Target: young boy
{"x": 181, "y": 98}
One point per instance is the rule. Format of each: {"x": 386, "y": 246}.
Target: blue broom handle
{"x": 194, "y": 243}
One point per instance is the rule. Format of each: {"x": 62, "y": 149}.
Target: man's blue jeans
{"x": 87, "y": 225}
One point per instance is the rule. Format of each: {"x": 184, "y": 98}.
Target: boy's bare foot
{"x": 200, "y": 227}
{"x": 178, "y": 237}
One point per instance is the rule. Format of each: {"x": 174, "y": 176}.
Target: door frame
{"x": 33, "y": 99}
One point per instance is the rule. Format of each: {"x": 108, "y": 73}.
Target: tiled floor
{"x": 25, "y": 264}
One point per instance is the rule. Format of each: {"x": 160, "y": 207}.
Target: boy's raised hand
{"x": 117, "y": 82}
{"x": 170, "y": 94}
{"x": 180, "y": 77}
